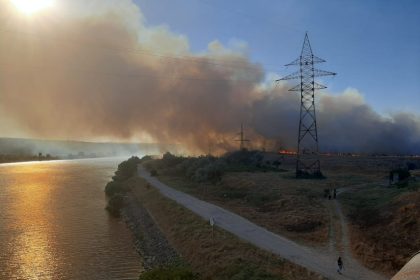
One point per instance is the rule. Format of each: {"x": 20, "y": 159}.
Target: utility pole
{"x": 209, "y": 149}
{"x": 242, "y": 139}
{"x": 307, "y": 163}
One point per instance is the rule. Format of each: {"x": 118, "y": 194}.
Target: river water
{"x": 53, "y": 224}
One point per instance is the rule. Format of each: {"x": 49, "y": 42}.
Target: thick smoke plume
{"x": 97, "y": 71}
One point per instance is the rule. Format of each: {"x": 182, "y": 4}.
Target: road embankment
{"x": 213, "y": 253}
{"x": 150, "y": 242}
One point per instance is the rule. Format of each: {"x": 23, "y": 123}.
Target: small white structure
{"x": 212, "y": 221}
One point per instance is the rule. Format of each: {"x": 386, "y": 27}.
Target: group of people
{"x": 330, "y": 193}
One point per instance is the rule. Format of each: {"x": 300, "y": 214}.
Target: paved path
{"x": 262, "y": 238}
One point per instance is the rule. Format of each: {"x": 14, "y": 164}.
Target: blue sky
{"x": 374, "y": 46}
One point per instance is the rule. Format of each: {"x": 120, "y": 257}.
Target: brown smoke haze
{"x": 90, "y": 75}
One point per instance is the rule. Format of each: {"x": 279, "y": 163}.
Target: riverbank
{"x": 188, "y": 240}
{"x": 150, "y": 242}
{"x": 4, "y": 158}
{"x": 212, "y": 253}
{"x": 159, "y": 258}
{"x": 382, "y": 221}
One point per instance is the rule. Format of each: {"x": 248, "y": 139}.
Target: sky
{"x": 374, "y": 46}
{"x": 189, "y": 72}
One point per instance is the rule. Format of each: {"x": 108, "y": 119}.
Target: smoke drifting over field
{"x": 98, "y": 71}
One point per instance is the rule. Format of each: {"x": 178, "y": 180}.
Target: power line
{"x": 133, "y": 75}
{"x": 140, "y": 51}
{"x": 243, "y": 65}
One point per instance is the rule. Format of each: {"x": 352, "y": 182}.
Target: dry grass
{"x": 269, "y": 200}
{"x": 220, "y": 257}
{"x": 388, "y": 241}
{"x": 296, "y": 208}
{"x": 280, "y": 202}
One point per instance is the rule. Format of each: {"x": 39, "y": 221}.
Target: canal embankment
{"x": 210, "y": 252}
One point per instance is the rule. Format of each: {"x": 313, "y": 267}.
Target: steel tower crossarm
{"x": 307, "y": 163}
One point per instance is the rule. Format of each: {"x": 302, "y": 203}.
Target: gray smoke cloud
{"x": 345, "y": 124}
{"x": 98, "y": 71}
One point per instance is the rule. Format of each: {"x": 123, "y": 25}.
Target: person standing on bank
{"x": 340, "y": 265}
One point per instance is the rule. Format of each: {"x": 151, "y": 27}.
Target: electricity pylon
{"x": 242, "y": 139}
{"x": 307, "y": 163}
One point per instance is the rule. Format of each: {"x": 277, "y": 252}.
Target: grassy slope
{"x": 382, "y": 243}
{"x": 220, "y": 257}
{"x": 276, "y": 200}
{"x": 385, "y": 226}
{"x": 267, "y": 199}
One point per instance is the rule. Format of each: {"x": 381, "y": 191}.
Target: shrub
{"x": 126, "y": 169}
{"x": 145, "y": 158}
{"x": 245, "y": 157}
{"x": 114, "y": 188}
{"x": 115, "y": 204}
{"x": 169, "y": 159}
{"x": 211, "y": 172}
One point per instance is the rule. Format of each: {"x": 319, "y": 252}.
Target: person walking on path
{"x": 340, "y": 265}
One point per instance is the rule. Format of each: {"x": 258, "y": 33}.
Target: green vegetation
{"x": 211, "y": 169}
{"x": 199, "y": 169}
{"x": 126, "y": 169}
{"x": 9, "y": 158}
{"x": 115, "y": 204}
{"x": 116, "y": 188}
{"x": 169, "y": 273}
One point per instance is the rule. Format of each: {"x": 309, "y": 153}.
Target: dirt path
{"x": 262, "y": 238}
{"x": 344, "y": 247}
{"x": 342, "y": 242}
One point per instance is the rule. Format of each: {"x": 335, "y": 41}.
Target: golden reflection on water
{"x": 53, "y": 224}
{"x": 32, "y": 246}
{"x": 34, "y": 253}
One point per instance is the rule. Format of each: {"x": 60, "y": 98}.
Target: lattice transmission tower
{"x": 307, "y": 163}
{"x": 242, "y": 140}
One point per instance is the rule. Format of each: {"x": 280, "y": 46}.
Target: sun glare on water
{"x": 32, "y": 6}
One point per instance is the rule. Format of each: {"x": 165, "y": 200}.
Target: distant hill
{"x": 77, "y": 149}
